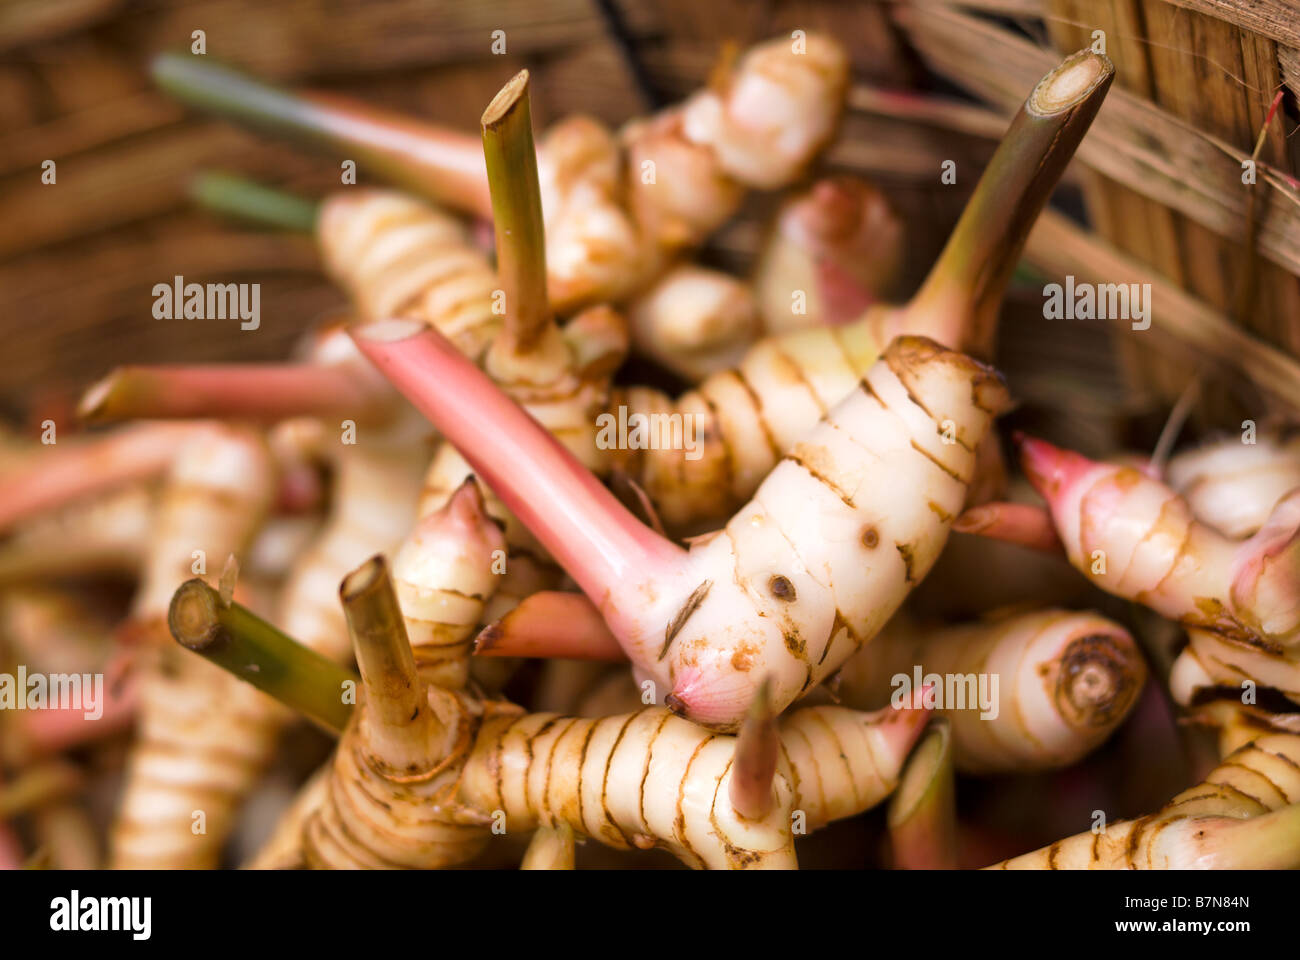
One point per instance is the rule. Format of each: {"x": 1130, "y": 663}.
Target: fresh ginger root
{"x": 1134, "y": 537}
{"x": 203, "y": 736}
{"x": 746, "y": 418}
{"x": 442, "y": 575}
{"x": 1245, "y": 815}
{"x": 1234, "y": 486}
{"x": 885, "y": 472}
{"x": 650, "y": 779}
{"x": 446, "y": 571}
{"x": 694, "y": 321}
{"x": 1238, "y": 723}
{"x": 1064, "y": 682}
{"x": 422, "y": 775}
{"x": 397, "y": 256}
{"x": 833, "y": 252}
{"x": 618, "y": 212}
{"x": 618, "y": 208}
{"x": 108, "y": 533}
{"x": 375, "y": 490}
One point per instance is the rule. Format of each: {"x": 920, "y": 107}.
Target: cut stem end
{"x": 1069, "y": 84}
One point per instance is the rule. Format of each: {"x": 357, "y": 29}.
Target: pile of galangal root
{"x": 703, "y": 599}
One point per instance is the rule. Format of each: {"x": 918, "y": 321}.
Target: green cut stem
{"x": 959, "y": 301}
{"x": 922, "y": 816}
{"x": 511, "y": 160}
{"x": 244, "y": 199}
{"x": 245, "y": 645}
{"x": 440, "y": 164}
{"x": 400, "y": 728}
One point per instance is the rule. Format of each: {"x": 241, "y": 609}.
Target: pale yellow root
{"x": 398, "y": 257}
{"x": 203, "y": 735}
{"x": 552, "y": 848}
{"x": 1246, "y": 814}
{"x": 283, "y": 850}
{"x": 446, "y": 571}
{"x": 744, "y": 419}
{"x": 637, "y": 781}
{"x": 649, "y": 779}
{"x": 1064, "y": 683}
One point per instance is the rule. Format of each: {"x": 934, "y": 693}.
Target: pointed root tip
{"x": 905, "y": 724}
{"x": 756, "y": 755}
{"x": 1018, "y": 523}
{"x": 489, "y": 639}
{"x": 918, "y": 699}
{"x": 836, "y": 207}
{"x": 464, "y": 522}
{"x": 974, "y": 520}
{"x": 719, "y": 700}
{"x": 1047, "y": 467}
{"x": 229, "y": 580}
{"x": 467, "y": 502}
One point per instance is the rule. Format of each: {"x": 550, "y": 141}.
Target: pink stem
{"x": 844, "y": 296}
{"x": 1052, "y": 470}
{"x": 1020, "y": 523}
{"x": 261, "y": 392}
{"x": 11, "y": 851}
{"x": 81, "y": 468}
{"x": 449, "y": 162}
{"x": 902, "y": 726}
{"x": 551, "y": 624}
{"x": 52, "y": 730}
{"x": 592, "y": 536}
{"x": 758, "y": 748}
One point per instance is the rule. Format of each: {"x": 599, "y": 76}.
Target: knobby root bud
{"x": 1029, "y": 692}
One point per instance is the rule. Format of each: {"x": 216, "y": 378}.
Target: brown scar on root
{"x": 679, "y": 620}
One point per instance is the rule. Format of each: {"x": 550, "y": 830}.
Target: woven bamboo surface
{"x": 1159, "y": 174}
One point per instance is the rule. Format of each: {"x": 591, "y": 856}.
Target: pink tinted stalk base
{"x": 11, "y": 851}
{"x": 551, "y": 624}
{"x": 265, "y": 393}
{"x": 50, "y": 731}
{"x": 902, "y": 726}
{"x": 758, "y": 748}
{"x": 606, "y": 549}
{"x": 81, "y": 468}
{"x": 1050, "y": 469}
{"x": 1020, "y": 523}
{"x": 443, "y": 164}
